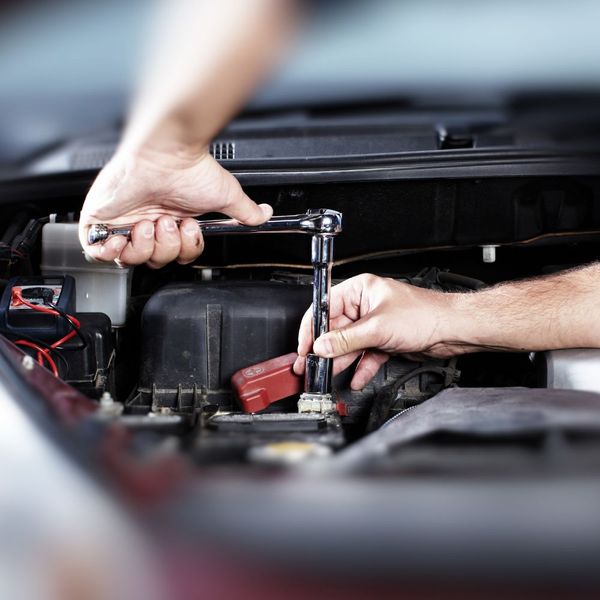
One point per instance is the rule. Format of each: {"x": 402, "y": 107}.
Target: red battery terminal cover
{"x": 258, "y": 386}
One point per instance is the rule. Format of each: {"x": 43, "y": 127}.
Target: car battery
{"x": 18, "y": 318}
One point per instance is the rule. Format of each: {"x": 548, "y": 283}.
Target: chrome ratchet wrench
{"x": 323, "y": 224}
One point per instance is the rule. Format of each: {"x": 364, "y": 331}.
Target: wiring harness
{"x": 44, "y": 351}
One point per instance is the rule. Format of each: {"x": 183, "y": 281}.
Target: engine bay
{"x": 159, "y": 351}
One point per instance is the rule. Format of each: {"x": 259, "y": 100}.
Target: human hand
{"x": 152, "y": 189}
{"x": 376, "y": 317}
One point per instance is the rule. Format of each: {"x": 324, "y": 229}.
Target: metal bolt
{"x": 28, "y": 363}
{"x": 106, "y": 399}
{"x": 489, "y": 253}
{"x": 109, "y": 408}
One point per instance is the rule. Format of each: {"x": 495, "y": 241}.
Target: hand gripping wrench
{"x": 323, "y": 224}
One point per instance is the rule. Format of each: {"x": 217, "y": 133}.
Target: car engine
{"x": 173, "y": 390}
{"x": 194, "y": 354}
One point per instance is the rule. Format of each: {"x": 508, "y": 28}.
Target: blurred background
{"x": 67, "y": 66}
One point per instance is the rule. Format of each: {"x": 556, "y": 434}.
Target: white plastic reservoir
{"x": 100, "y": 287}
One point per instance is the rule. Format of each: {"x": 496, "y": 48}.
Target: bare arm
{"x": 556, "y": 311}
{"x": 383, "y": 317}
{"x": 206, "y": 59}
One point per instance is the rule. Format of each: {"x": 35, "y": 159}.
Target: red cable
{"x": 62, "y": 340}
{"x": 44, "y": 309}
{"x": 44, "y": 353}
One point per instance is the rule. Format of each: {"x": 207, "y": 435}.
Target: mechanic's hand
{"x": 150, "y": 190}
{"x": 379, "y": 317}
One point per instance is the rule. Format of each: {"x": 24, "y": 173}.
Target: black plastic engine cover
{"x": 196, "y": 335}
{"x": 91, "y": 369}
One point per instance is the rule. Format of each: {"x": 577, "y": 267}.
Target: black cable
{"x": 446, "y": 372}
{"x": 414, "y": 373}
{"x": 77, "y": 329}
{"x": 45, "y": 345}
{"x": 24, "y": 242}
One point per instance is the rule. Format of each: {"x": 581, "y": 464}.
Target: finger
{"x": 305, "y": 334}
{"x": 344, "y": 304}
{"x": 360, "y": 335}
{"x": 305, "y": 340}
{"x": 343, "y": 362}
{"x": 345, "y": 297}
{"x": 339, "y": 322}
{"x": 82, "y": 231}
{"x": 240, "y": 207}
{"x": 105, "y": 252}
{"x": 167, "y": 242}
{"x": 140, "y": 248}
{"x": 299, "y": 365}
{"x": 367, "y": 368}
{"x": 192, "y": 242}
{"x": 339, "y": 364}
{"x": 108, "y": 251}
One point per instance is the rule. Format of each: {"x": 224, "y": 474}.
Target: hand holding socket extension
{"x": 323, "y": 225}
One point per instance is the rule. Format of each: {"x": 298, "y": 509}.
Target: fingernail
{"x": 267, "y": 210}
{"x": 169, "y": 225}
{"x": 357, "y": 386}
{"x": 323, "y": 347}
{"x": 190, "y": 230}
{"x": 148, "y": 230}
{"x": 101, "y": 250}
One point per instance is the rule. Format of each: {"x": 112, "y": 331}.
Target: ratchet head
{"x": 97, "y": 233}
{"x": 322, "y": 221}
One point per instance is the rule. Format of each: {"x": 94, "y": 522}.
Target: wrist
{"x": 463, "y": 324}
{"x": 166, "y": 154}
{"x": 457, "y": 331}
{"x": 170, "y": 143}
{"x": 499, "y": 318}
{"x": 468, "y": 319}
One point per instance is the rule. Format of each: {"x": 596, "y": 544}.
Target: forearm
{"x": 206, "y": 59}
{"x": 557, "y": 311}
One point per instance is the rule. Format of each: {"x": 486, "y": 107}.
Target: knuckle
{"x": 187, "y": 256}
{"x": 136, "y": 255}
{"x": 169, "y": 246}
{"x": 164, "y": 253}
{"x": 370, "y": 370}
{"x": 374, "y": 329}
{"x": 342, "y": 340}
{"x": 133, "y": 261}
{"x": 364, "y": 278}
{"x": 226, "y": 201}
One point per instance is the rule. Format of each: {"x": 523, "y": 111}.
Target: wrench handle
{"x": 315, "y": 221}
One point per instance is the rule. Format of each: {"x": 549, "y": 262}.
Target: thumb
{"x": 356, "y": 337}
{"x": 241, "y": 208}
